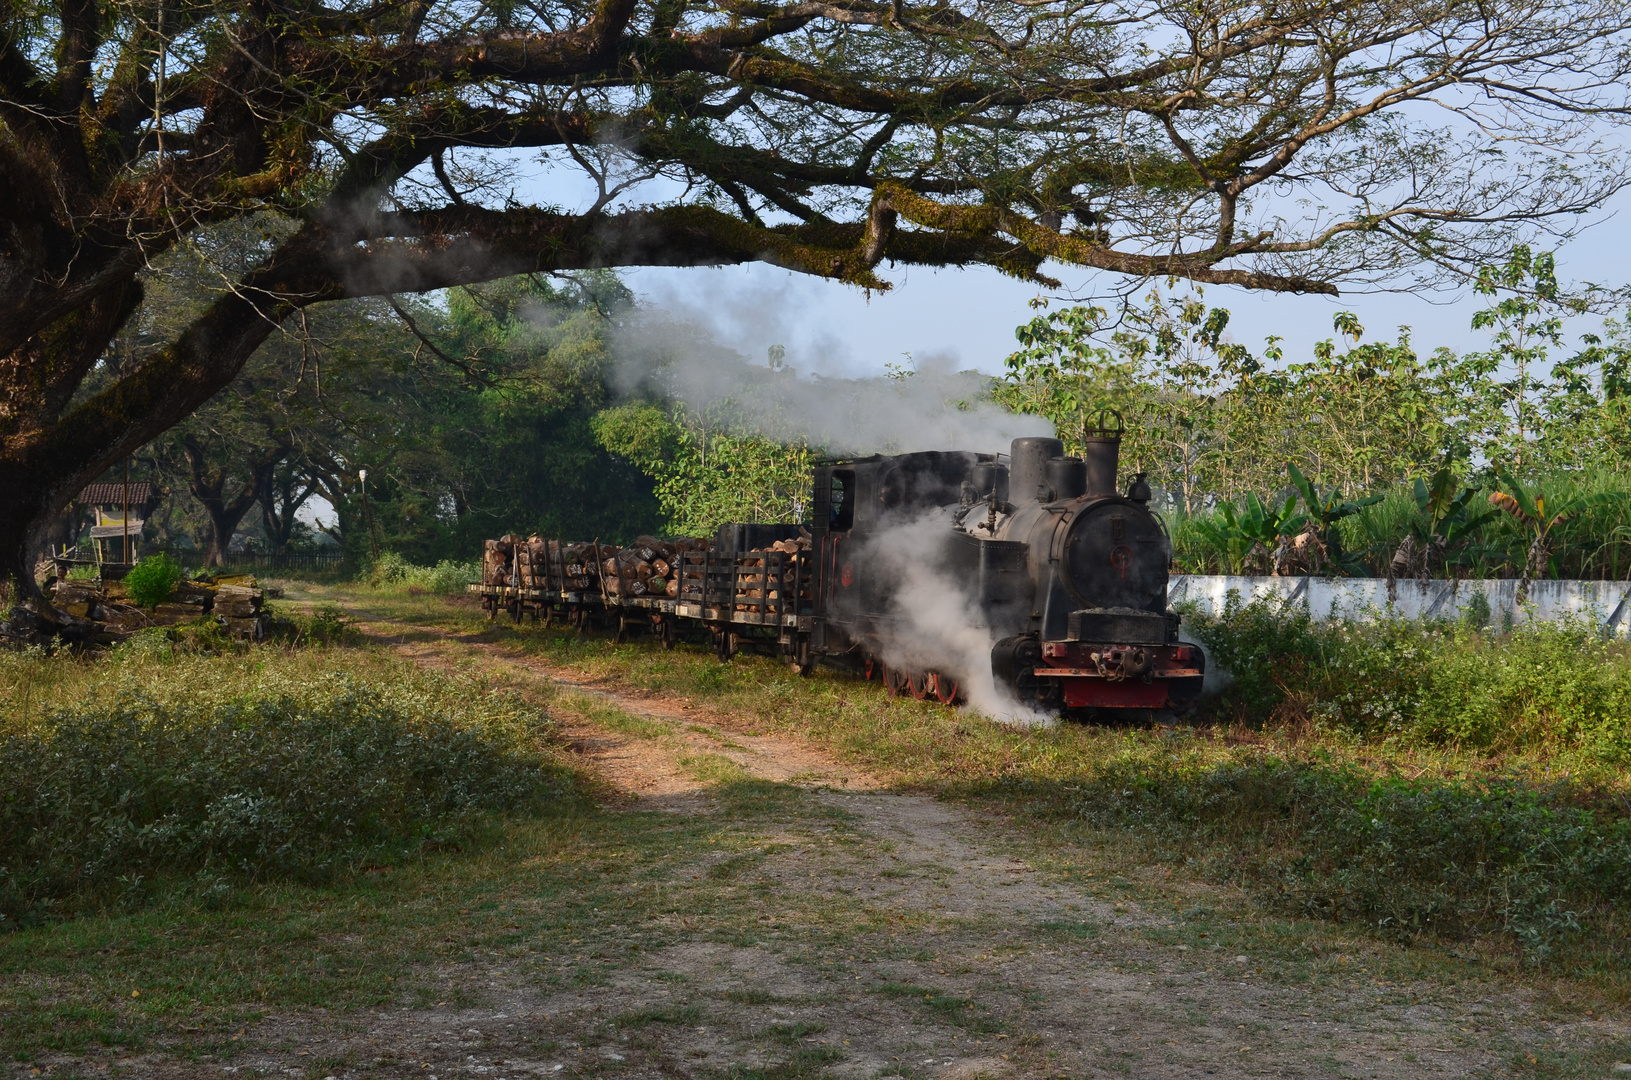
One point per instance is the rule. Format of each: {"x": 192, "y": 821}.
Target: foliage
{"x": 1557, "y": 687}
{"x": 1211, "y": 422}
{"x": 226, "y": 771}
{"x": 427, "y": 397}
{"x": 1472, "y": 539}
{"x": 1530, "y": 510}
{"x": 151, "y": 581}
{"x": 446, "y": 578}
{"x": 706, "y": 475}
{"x": 1246, "y": 540}
{"x": 1407, "y": 858}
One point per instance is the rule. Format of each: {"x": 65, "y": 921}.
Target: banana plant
{"x": 1445, "y": 524}
{"x": 1324, "y": 511}
{"x": 1540, "y": 518}
{"x": 1249, "y": 535}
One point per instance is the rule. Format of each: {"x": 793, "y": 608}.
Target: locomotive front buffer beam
{"x": 1106, "y": 676}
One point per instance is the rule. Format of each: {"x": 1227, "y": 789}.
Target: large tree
{"x": 1284, "y": 145}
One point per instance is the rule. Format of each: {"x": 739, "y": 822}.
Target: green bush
{"x": 298, "y": 778}
{"x": 1560, "y": 688}
{"x": 1407, "y": 857}
{"x": 151, "y": 581}
{"x": 391, "y": 570}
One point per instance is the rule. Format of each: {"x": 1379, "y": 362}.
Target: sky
{"x": 969, "y": 315}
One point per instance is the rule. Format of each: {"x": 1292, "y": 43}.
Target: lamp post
{"x": 368, "y": 514}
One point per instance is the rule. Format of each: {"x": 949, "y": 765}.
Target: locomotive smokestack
{"x": 1027, "y": 468}
{"x": 1101, "y": 449}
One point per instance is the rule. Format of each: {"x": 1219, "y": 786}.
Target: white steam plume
{"x": 934, "y": 408}
{"x": 938, "y": 623}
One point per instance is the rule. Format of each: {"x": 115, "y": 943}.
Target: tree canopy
{"x": 1274, "y": 146}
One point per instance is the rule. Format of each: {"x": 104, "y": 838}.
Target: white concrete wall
{"x": 1607, "y": 603}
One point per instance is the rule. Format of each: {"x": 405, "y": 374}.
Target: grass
{"x": 578, "y": 897}
{"x": 1514, "y": 840}
{"x": 153, "y": 773}
{"x": 580, "y": 894}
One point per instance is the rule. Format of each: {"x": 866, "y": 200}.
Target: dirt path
{"x": 1011, "y": 974}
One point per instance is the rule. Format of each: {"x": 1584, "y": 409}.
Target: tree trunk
{"x": 280, "y": 502}
{"x": 43, "y": 465}
{"x": 209, "y": 486}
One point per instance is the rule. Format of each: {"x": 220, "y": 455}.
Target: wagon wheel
{"x": 799, "y": 660}
{"x": 725, "y": 643}
{"x": 944, "y": 688}
{"x": 670, "y": 633}
{"x": 549, "y": 616}
{"x": 919, "y": 684}
{"x": 515, "y": 611}
{"x": 622, "y": 634}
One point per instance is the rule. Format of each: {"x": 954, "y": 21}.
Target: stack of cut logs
{"x": 647, "y": 568}
{"x": 102, "y": 613}
{"x": 750, "y": 580}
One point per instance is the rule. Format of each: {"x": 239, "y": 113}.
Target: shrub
{"x": 391, "y": 570}
{"x": 151, "y": 581}
{"x": 1407, "y": 857}
{"x": 388, "y": 569}
{"x": 297, "y": 778}
{"x": 1557, "y": 687}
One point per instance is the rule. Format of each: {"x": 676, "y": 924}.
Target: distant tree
{"x": 1211, "y": 420}
{"x": 707, "y": 471}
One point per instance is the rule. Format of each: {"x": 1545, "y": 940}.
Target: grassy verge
{"x": 152, "y": 774}
{"x": 1516, "y": 843}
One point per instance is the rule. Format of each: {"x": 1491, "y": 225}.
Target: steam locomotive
{"x": 943, "y": 573}
{"x": 1066, "y": 576}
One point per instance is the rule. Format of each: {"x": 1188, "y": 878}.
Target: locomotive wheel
{"x": 945, "y": 689}
{"x": 893, "y": 683}
{"x": 919, "y": 684}
{"x": 869, "y": 669}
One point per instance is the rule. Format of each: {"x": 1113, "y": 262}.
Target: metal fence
{"x": 300, "y": 563}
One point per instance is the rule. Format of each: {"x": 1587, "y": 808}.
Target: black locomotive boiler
{"x": 1064, "y": 573}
